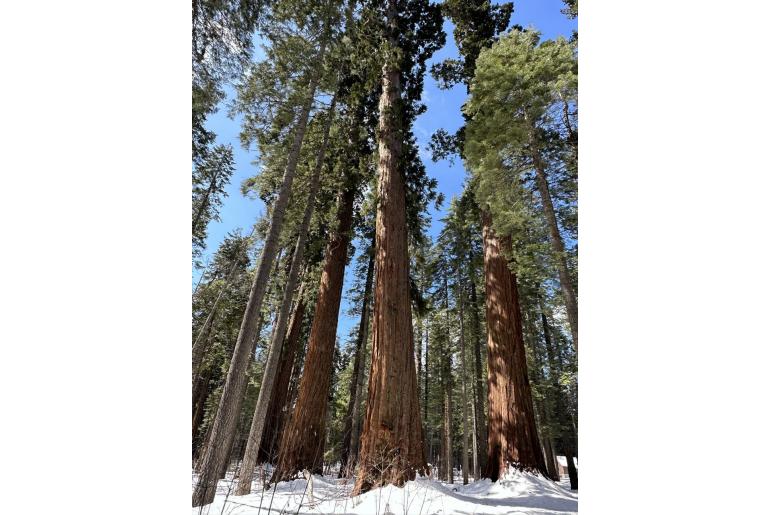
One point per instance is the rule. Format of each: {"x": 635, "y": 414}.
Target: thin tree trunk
{"x": 425, "y": 390}
{"x": 273, "y": 357}
{"x": 355, "y": 428}
{"x": 204, "y": 202}
{"x": 418, "y": 351}
{"x": 567, "y": 288}
{"x": 276, "y": 411}
{"x": 550, "y": 459}
{"x": 447, "y": 383}
{"x": 464, "y": 388}
{"x": 357, "y": 378}
{"x": 475, "y": 443}
{"x": 513, "y": 437}
{"x": 481, "y": 428}
{"x": 302, "y": 441}
{"x": 201, "y": 393}
{"x": 571, "y": 470}
{"x": 392, "y": 441}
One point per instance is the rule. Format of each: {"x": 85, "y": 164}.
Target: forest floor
{"x": 518, "y": 492}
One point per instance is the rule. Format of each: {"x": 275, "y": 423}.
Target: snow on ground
{"x": 517, "y": 492}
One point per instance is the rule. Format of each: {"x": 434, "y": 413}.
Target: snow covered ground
{"x": 518, "y": 492}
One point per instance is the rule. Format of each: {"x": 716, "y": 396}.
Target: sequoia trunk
{"x": 392, "y": 440}
{"x": 276, "y": 412}
{"x": 302, "y": 441}
{"x": 513, "y": 439}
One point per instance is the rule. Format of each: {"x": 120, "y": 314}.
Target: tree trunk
{"x": 356, "y": 380}
{"x": 204, "y": 202}
{"x": 200, "y": 394}
{"x": 474, "y": 441}
{"x": 392, "y": 440}
{"x": 464, "y": 387}
{"x": 268, "y": 376}
{"x": 425, "y": 389}
{"x": 567, "y": 288}
{"x": 513, "y": 437}
{"x": 571, "y": 470}
{"x": 302, "y": 441}
{"x": 481, "y": 427}
{"x": 355, "y": 428}
{"x": 447, "y": 384}
{"x": 550, "y": 460}
{"x": 276, "y": 412}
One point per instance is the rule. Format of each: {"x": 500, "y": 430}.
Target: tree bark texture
{"x": 513, "y": 439}
{"x": 302, "y": 441}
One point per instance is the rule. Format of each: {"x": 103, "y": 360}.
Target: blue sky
{"x": 443, "y": 112}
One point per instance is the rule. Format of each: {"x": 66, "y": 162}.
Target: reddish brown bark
{"x": 512, "y": 439}
{"x": 392, "y": 440}
{"x": 302, "y": 442}
{"x": 276, "y": 412}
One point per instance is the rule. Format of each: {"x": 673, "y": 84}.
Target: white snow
{"x": 516, "y": 492}
{"x": 562, "y": 460}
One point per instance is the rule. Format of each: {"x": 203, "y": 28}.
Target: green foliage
{"x": 477, "y": 23}
{"x": 518, "y": 99}
{"x": 210, "y": 176}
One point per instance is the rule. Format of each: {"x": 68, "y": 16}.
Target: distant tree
{"x": 210, "y": 177}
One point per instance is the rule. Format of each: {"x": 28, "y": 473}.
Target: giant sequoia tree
{"x": 392, "y": 441}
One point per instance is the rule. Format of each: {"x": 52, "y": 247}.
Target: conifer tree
{"x": 392, "y": 442}
{"x": 210, "y": 176}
